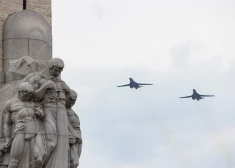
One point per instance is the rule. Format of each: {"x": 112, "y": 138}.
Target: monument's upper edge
{"x": 24, "y": 24}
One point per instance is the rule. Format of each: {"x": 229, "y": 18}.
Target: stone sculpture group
{"x": 39, "y": 128}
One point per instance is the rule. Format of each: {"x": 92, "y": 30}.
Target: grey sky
{"x": 176, "y": 45}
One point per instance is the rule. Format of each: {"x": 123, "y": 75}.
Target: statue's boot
{"x": 36, "y": 163}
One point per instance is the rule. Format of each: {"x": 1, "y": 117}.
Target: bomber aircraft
{"x": 134, "y": 84}
{"x": 197, "y": 96}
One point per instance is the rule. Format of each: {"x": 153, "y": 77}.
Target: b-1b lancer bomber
{"x": 134, "y": 84}
{"x": 197, "y": 96}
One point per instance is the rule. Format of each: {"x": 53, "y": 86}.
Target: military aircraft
{"x": 197, "y": 96}
{"x": 134, "y": 84}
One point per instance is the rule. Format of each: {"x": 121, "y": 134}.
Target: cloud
{"x": 151, "y": 126}
{"x": 176, "y": 46}
{"x": 136, "y": 127}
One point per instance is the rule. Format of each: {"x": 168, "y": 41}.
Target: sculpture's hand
{"x": 50, "y": 85}
{"x": 2, "y": 145}
{"x": 79, "y": 140}
{"x": 39, "y": 113}
{"x": 40, "y": 93}
{"x": 6, "y": 145}
{"x": 72, "y": 141}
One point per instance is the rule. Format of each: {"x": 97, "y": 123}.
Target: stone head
{"x": 25, "y": 91}
{"x": 56, "y": 66}
{"x": 72, "y": 99}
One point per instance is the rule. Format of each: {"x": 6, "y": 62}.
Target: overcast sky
{"x": 178, "y": 45}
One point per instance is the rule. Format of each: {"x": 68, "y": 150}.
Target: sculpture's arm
{"x": 7, "y": 122}
{"x": 66, "y": 90}
{"x": 39, "y": 93}
{"x": 40, "y": 89}
{"x": 77, "y": 119}
{"x": 78, "y": 125}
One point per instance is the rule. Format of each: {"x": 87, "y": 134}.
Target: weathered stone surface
{"x": 38, "y": 127}
{"x": 75, "y": 136}
{"x": 8, "y": 7}
{"x": 26, "y": 33}
{"x": 43, "y": 7}
{"x": 23, "y": 134}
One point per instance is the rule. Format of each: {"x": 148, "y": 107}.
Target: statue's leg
{"x": 79, "y": 143}
{"x": 17, "y": 148}
{"x": 74, "y": 156}
{"x": 49, "y": 124}
{"x": 79, "y": 149}
{"x": 37, "y": 149}
{"x": 70, "y": 158}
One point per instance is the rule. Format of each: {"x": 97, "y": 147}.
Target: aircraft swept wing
{"x": 144, "y": 84}
{"x": 186, "y": 97}
{"x": 124, "y": 85}
{"x": 207, "y": 95}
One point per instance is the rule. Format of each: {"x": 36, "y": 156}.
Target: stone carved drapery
{"x": 38, "y": 121}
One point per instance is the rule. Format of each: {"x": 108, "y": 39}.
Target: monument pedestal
{"x": 38, "y": 127}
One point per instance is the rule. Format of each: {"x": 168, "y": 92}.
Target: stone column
{"x": 8, "y": 7}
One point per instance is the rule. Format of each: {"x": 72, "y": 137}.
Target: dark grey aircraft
{"x": 197, "y": 96}
{"x": 134, "y": 84}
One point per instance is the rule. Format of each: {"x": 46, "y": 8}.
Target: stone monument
{"x": 38, "y": 128}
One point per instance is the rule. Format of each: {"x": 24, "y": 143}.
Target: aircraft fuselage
{"x": 133, "y": 84}
{"x": 196, "y": 95}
